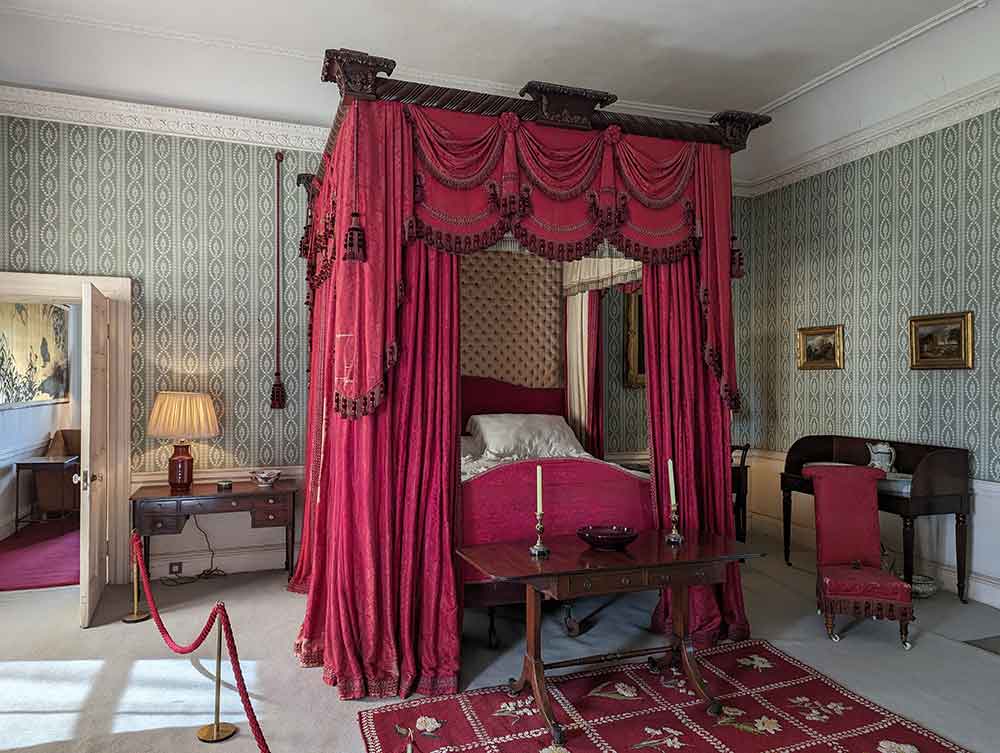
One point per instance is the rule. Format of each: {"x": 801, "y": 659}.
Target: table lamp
{"x": 181, "y": 417}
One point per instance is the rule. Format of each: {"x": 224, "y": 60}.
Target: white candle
{"x": 538, "y": 479}
{"x": 673, "y": 489}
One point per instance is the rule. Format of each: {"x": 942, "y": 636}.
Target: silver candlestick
{"x": 674, "y": 538}
{"x": 538, "y": 549}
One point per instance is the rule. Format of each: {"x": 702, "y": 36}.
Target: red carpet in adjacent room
{"x": 41, "y": 555}
{"x": 770, "y": 702}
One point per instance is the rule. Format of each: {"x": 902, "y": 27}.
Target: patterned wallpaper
{"x": 624, "y": 407}
{"x": 512, "y": 318}
{"x": 914, "y": 229}
{"x": 192, "y": 223}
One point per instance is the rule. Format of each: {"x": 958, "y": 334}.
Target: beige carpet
{"x": 116, "y": 689}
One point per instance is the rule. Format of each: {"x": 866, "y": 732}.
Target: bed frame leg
{"x": 491, "y": 633}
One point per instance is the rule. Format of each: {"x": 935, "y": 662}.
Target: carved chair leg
{"x": 828, "y": 620}
{"x": 904, "y": 634}
{"x": 491, "y": 633}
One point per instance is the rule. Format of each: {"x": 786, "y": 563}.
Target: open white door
{"x": 94, "y": 398}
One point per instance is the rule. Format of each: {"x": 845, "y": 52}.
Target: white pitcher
{"x": 882, "y": 456}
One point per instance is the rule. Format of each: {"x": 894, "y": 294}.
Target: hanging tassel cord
{"x": 218, "y": 613}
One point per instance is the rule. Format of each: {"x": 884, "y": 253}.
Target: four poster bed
{"x": 413, "y": 177}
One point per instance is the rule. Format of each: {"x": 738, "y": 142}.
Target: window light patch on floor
{"x": 41, "y": 701}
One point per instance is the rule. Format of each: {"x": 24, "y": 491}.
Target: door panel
{"x": 94, "y": 398}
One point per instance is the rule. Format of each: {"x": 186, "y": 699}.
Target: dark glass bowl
{"x": 608, "y": 538}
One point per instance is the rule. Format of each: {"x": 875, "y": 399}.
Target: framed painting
{"x": 821, "y": 347}
{"x": 34, "y": 363}
{"x": 635, "y": 347}
{"x": 941, "y": 341}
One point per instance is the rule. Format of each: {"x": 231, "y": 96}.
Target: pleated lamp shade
{"x": 183, "y": 415}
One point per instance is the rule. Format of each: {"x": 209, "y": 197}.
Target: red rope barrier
{"x": 218, "y": 613}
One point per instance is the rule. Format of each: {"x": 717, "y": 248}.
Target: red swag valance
{"x": 459, "y": 182}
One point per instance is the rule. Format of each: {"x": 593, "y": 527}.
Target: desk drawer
{"x": 158, "y": 506}
{"x": 154, "y": 524}
{"x": 265, "y": 518}
{"x": 692, "y": 575}
{"x": 603, "y": 583}
{"x": 209, "y": 505}
{"x": 272, "y": 502}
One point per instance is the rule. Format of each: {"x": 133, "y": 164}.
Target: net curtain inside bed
{"x": 402, "y": 193}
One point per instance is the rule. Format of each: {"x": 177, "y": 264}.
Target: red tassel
{"x": 354, "y": 240}
{"x": 278, "y": 395}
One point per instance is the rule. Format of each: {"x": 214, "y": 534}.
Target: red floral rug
{"x": 771, "y": 702}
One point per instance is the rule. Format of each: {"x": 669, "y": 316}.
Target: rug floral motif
{"x": 771, "y": 703}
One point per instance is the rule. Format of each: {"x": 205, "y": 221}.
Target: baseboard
{"x": 234, "y": 559}
{"x": 6, "y": 529}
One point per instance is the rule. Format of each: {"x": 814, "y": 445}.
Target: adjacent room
{"x": 500, "y": 378}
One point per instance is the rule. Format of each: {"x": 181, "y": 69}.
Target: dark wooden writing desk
{"x": 65, "y": 463}
{"x": 940, "y": 486}
{"x": 156, "y": 511}
{"x": 574, "y": 569}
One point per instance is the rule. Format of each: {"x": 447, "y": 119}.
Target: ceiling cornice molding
{"x": 39, "y": 104}
{"x": 948, "y": 110}
{"x": 887, "y": 46}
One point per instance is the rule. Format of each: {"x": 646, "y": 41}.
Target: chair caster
{"x": 907, "y": 645}
{"x": 835, "y": 638}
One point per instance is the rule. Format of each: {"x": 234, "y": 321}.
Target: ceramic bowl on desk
{"x": 265, "y": 478}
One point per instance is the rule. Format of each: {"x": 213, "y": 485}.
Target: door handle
{"x": 86, "y": 478}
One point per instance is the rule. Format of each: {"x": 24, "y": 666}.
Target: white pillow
{"x": 472, "y": 447}
{"x": 516, "y": 436}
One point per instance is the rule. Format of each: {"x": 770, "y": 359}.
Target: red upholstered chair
{"x": 849, "y": 577}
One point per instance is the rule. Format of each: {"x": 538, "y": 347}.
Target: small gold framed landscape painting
{"x": 821, "y": 347}
{"x": 941, "y": 341}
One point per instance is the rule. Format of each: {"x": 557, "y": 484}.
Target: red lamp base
{"x": 181, "y": 470}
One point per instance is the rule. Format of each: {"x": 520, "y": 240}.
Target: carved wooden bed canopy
{"x": 356, "y": 75}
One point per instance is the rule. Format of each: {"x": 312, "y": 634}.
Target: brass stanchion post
{"x": 136, "y": 615}
{"x": 217, "y": 731}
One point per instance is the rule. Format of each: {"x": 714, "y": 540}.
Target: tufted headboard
{"x": 485, "y": 395}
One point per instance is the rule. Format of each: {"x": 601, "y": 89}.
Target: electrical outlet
{"x": 176, "y": 568}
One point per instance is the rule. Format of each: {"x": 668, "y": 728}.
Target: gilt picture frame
{"x": 635, "y": 348}
{"x": 942, "y": 341}
{"x": 820, "y": 348}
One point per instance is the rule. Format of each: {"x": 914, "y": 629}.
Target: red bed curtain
{"x": 690, "y": 377}
{"x": 402, "y": 192}
{"x": 382, "y": 611}
{"x": 595, "y": 375}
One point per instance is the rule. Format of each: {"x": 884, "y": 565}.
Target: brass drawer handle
{"x": 270, "y": 501}
{"x": 700, "y": 574}
{"x": 234, "y": 503}
{"x": 270, "y": 516}
{"x": 159, "y": 524}
{"x": 587, "y": 585}
{"x": 626, "y": 581}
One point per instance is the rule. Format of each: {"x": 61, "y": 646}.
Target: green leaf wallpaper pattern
{"x": 192, "y": 223}
{"x": 914, "y": 229}
{"x": 624, "y": 407}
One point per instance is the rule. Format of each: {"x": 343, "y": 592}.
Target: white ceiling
{"x": 262, "y": 59}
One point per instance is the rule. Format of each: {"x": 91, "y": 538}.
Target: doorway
{"x": 95, "y": 461}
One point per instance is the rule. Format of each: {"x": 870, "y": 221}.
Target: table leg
{"x": 17, "y": 498}
{"x": 908, "y": 550}
{"x": 786, "y": 524}
{"x": 961, "y": 550}
{"x": 679, "y": 614}
{"x": 533, "y": 672}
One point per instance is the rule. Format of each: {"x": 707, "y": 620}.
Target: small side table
{"x": 64, "y": 463}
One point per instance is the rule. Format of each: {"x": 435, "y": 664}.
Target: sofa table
{"x": 155, "y": 511}
{"x": 573, "y": 570}
{"x": 64, "y": 463}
